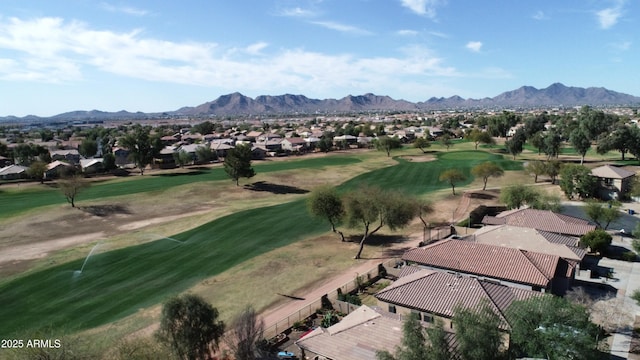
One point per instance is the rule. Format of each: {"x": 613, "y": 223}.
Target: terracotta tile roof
{"x": 358, "y": 336}
{"x": 440, "y": 293}
{"x": 529, "y": 239}
{"x": 542, "y": 220}
{"x": 497, "y": 262}
{"x": 611, "y": 172}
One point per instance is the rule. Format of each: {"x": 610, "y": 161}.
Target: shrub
{"x": 326, "y": 303}
{"x": 629, "y": 256}
{"x": 597, "y": 240}
{"x": 350, "y": 298}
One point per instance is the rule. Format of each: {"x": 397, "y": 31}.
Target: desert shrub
{"x": 629, "y": 256}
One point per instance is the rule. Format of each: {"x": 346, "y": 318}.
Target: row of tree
{"x": 369, "y": 207}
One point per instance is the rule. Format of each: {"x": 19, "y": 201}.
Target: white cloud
{"x": 52, "y": 50}
{"x": 422, "y": 7}
{"x": 256, "y": 49}
{"x": 297, "y": 12}
{"x": 609, "y": 17}
{"x": 540, "y": 15}
{"x": 342, "y": 27}
{"x": 124, "y": 9}
{"x": 474, "y": 46}
{"x": 407, "y": 32}
{"x": 439, "y": 34}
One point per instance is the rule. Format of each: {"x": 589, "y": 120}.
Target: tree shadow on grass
{"x": 484, "y": 195}
{"x": 275, "y": 188}
{"x": 384, "y": 241}
{"x": 189, "y": 173}
{"x": 105, "y": 210}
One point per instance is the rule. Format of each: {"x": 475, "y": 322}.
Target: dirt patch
{"x": 42, "y": 249}
{"x": 419, "y": 158}
{"x": 157, "y": 220}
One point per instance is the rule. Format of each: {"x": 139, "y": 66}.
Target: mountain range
{"x": 556, "y": 95}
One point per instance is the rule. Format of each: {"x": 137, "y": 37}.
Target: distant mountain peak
{"x": 556, "y": 94}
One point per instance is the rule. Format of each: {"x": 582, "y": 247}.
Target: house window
{"x": 392, "y": 309}
{"x": 427, "y": 318}
{"x": 608, "y": 181}
{"x": 416, "y": 314}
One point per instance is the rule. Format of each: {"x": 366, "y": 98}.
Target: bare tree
{"x": 71, "y": 187}
{"x": 245, "y": 333}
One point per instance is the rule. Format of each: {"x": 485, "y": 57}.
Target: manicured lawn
{"x": 118, "y": 283}
{"x": 422, "y": 177}
{"x": 15, "y": 202}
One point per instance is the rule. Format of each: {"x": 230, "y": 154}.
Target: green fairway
{"x": 422, "y": 177}
{"x": 118, "y": 283}
{"x": 15, "y": 202}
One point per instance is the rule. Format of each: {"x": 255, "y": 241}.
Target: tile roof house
{"x": 531, "y": 240}
{"x": 542, "y": 220}
{"x": 5, "y": 161}
{"x": 71, "y": 156}
{"x": 508, "y": 266}
{"x": 434, "y": 294}
{"x": 58, "y": 168}
{"x": 293, "y": 144}
{"x": 615, "y": 182}
{"x": 92, "y": 166}
{"x": 13, "y": 172}
{"x": 357, "y": 337}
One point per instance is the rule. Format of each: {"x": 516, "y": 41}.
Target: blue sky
{"x": 143, "y": 55}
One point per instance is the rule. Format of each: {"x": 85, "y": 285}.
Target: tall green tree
{"x": 551, "y": 327}
{"x": 88, "y": 147}
{"x": 486, "y": 170}
{"x": 597, "y": 240}
{"x": 515, "y": 145}
{"x": 603, "y": 214}
{"x": 190, "y": 326}
{"x": 182, "y": 158}
{"x": 553, "y": 169}
{"x": 535, "y": 168}
{"x": 387, "y": 143}
{"x": 205, "y": 155}
{"x": 37, "y": 171}
{"x": 142, "y": 146}
{"x": 478, "y": 333}
{"x": 452, "y": 176}
{"x": 580, "y": 141}
{"x": 419, "y": 343}
{"x": 422, "y": 144}
{"x": 237, "y": 163}
{"x": 515, "y": 196}
{"x": 445, "y": 140}
{"x": 537, "y": 141}
{"x": 372, "y": 208}
{"x": 621, "y": 139}
{"x": 325, "y": 202}
{"x": 480, "y": 137}
{"x": 552, "y": 143}
{"x": 577, "y": 180}
{"x": 595, "y": 122}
